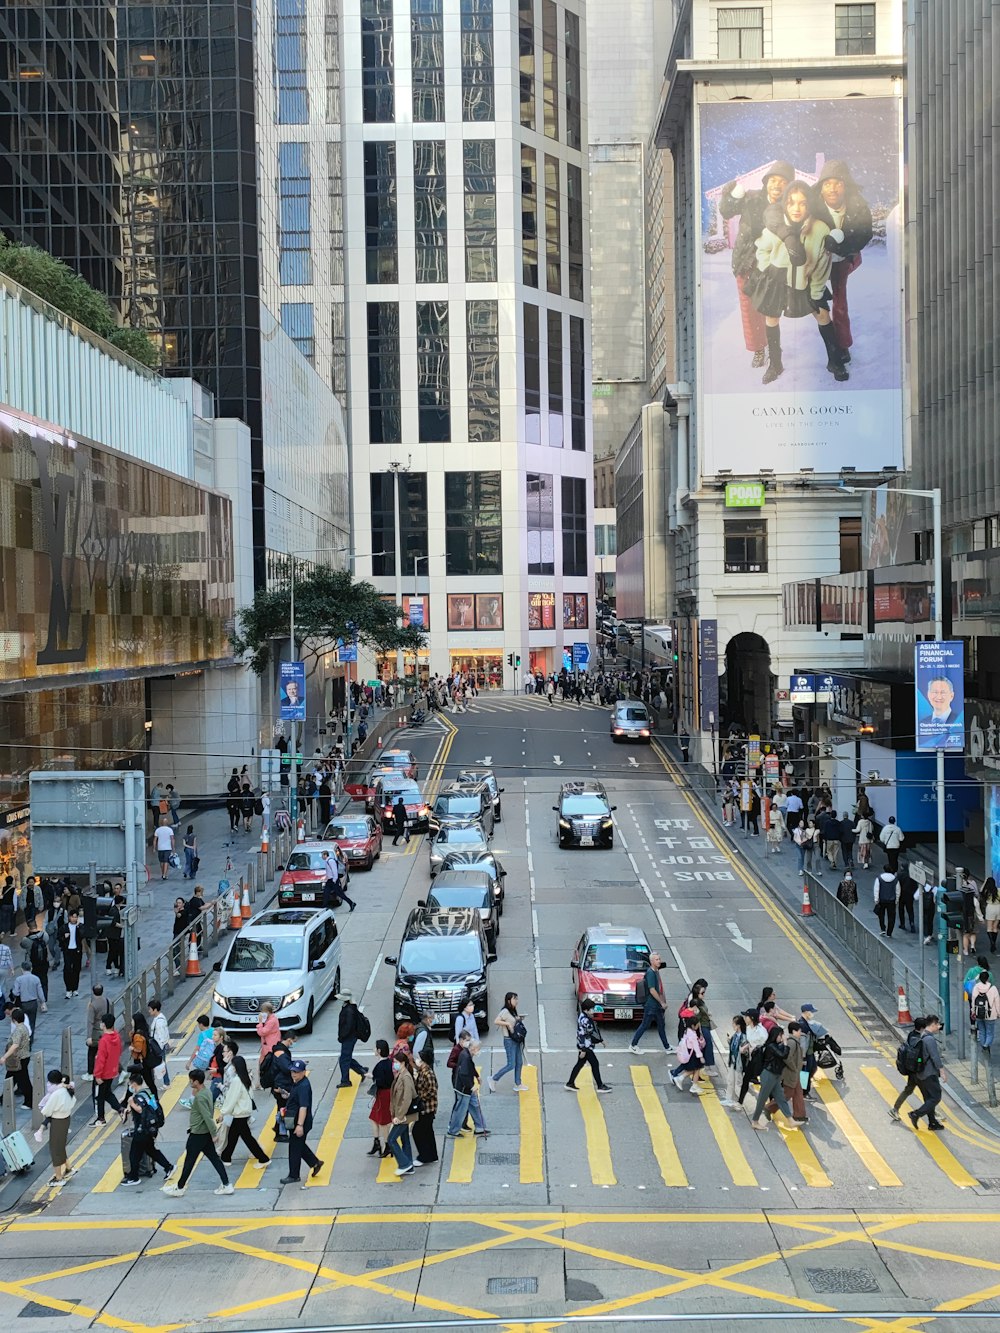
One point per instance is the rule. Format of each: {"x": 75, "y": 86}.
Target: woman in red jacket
{"x": 107, "y": 1063}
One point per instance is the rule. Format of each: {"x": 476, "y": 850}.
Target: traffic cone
{"x": 903, "y": 1006}
{"x": 246, "y": 911}
{"x": 264, "y": 836}
{"x": 300, "y": 831}
{"x": 236, "y": 920}
{"x": 806, "y": 904}
{"x": 193, "y": 966}
{"x": 378, "y": 743}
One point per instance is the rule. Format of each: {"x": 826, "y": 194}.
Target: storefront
{"x": 485, "y": 667}
{"x": 413, "y": 664}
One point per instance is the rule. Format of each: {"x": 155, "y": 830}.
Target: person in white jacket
{"x": 235, "y": 1107}
{"x": 863, "y": 831}
{"x": 892, "y": 838}
{"x": 159, "y": 1030}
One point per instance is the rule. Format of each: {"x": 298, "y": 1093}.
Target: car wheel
{"x": 336, "y": 985}
{"x": 307, "y": 1026}
{"x": 499, "y": 816}
{"x": 496, "y": 933}
{"x": 370, "y": 863}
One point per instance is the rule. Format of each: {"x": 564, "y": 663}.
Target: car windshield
{"x": 279, "y": 953}
{"x": 457, "y": 805}
{"x": 459, "y": 896}
{"x": 441, "y": 953}
{"x": 488, "y": 778}
{"x": 354, "y": 828}
{"x": 633, "y": 714}
{"x": 306, "y": 860}
{"x": 460, "y": 835}
{"x": 463, "y": 860}
{"x": 588, "y": 804}
{"x": 616, "y": 958}
{"x": 409, "y": 791}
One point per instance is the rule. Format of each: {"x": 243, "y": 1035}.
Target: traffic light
{"x": 517, "y": 659}
{"x": 510, "y": 659}
{"x": 952, "y": 908}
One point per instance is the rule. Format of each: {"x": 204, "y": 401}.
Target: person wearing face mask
{"x": 847, "y": 890}
{"x": 380, "y": 1114}
{"x": 404, "y": 1108}
{"x": 466, "y": 1022}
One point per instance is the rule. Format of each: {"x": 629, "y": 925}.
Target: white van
{"x": 290, "y": 956}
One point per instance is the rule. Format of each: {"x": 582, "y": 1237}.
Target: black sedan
{"x": 583, "y": 815}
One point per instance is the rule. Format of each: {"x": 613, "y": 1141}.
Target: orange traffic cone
{"x": 903, "y": 1006}
{"x": 246, "y": 911}
{"x": 806, "y": 904}
{"x": 264, "y": 836}
{"x": 193, "y": 966}
{"x": 236, "y": 920}
{"x": 300, "y": 831}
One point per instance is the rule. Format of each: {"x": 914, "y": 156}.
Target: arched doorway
{"x": 746, "y": 691}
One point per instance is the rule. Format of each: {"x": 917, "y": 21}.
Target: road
{"x": 648, "y": 1202}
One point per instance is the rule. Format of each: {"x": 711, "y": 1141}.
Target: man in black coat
{"x": 749, "y": 206}
{"x": 839, "y": 204}
{"x": 352, "y": 1027}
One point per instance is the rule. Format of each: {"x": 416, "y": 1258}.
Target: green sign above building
{"x": 744, "y": 494}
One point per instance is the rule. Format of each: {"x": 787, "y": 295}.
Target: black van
{"x": 443, "y": 963}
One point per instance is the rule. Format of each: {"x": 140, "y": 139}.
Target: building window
{"x": 577, "y": 385}
{"x": 338, "y": 349}
{"x": 336, "y": 201}
{"x": 854, "y": 30}
{"x": 473, "y": 517}
{"x": 532, "y": 375}
{"x": 574, "y": 232}
{"x": 433, "y": 377}
{"x": 745, "y": 545}
{"x": 294, "y": 204}
{"x": 412, "y": 521}
{"x": 526, "y": 60}
{"x": 378, "y": 96}
{"x": 553, "y": 246}
{"x": 331, "y": 51}
{"x": 477, "y": 60}
{"x": 483, "y": 365}
{"x": 741, "y": 34}
{"x": 555, "y": 359}
{"x": 574, "y": 526}
{"x": 550, "y": 68}
{"x": 529, "y": 216}
{"x": 541, "y": 523}
{"x": 480, "y": 170}
{"x": 574, "y": 133}
{"x": 384, "y": 414}
{"x": 427, "y": 46}
{"x": 381, "y": 240}
{"x": 605, "y": 540}
{"x": 430, "y": 210}
{"x": 850, "y": 545}
{"x": 297, "y": 321}
{"x": 290, "y": 62}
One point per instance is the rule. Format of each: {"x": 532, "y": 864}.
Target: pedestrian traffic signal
{"x": 517, "y": 659}
{"x": 510, "y": 659}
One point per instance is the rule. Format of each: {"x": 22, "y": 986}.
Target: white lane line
{"x": 531, "y": 867}
{"x": 645, "y": 888}
{"x": 371, "y": 979}
{"x": 680, "y": 963}
{"x": 527, "y": 837}
{"x": 543, "y": 1036}
{"x": 663, "y": 924}
{"x": 633, "y": 862}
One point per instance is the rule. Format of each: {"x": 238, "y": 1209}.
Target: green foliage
{"x": 56, "y": 283}
{"x": 329, "y": 605}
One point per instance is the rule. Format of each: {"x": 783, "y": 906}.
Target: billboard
{"x": 801, "y": 285}
{"x": 292, "y": 691}
{"x": 939, "y": 695}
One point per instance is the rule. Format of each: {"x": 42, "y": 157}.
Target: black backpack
{"x": 981, "y": 1007}
{"x": 519, "y": 1033}
{"x": 364, "y": 1028}
{"x": 910, "y": 1056}
{"x": 154, "y": 1052}
{"x": 39, "y": 955}
{"x": 268, "y": 1069}
{"x": 152, "y": 1117}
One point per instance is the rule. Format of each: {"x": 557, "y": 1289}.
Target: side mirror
{"x": 556, "y": 809}
{"x": 614, "y": 807}
{"x": 390, "y": 961}
{"x": 421, "y": 902}
{"x": 575, "y": 966}
{"x": 318, "y": 966}
{"x": 501, "y": 789}
{"x": 217, "y": 967}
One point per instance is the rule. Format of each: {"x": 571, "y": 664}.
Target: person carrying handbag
{"x": 235, "y": 1108}
{"x": 514, "y": 1033}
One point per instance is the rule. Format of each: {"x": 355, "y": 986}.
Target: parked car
{"x": 478, "y": 858}
{"x": 460, "y": 804}
{"x": 289, "y": 957}
{"x": 302, "y": 880}
{"x": 443, "y": 963}
{"x": 403, "y": 761}
{"x": 487, "y": 776}
{"x": 453, "y": 837}
{"x": 365, "y": 790}
{"x": 607, "y": 962}
{"x": 386, "y": 791}
{"x": 469, "y": 888}
{"x": 358, "y": 836}
{"x": 630, "y": 722}
{"x": 583, "y": 815}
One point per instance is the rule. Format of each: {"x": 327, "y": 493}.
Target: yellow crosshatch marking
{"x": 571, "y": 1233}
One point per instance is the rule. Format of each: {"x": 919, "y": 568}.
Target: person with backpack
{"x": 352, "y": 1027}
{"x": 909, "y": 1063}
{"x": 654, "y": 1006}
{"x": 886, "y": 896}
{"x": 147, "y": 1121}
{"x": 423, "y": 1038}
{"x": 514, "y": 1032}
{"x": 984, "y": 1005}
{"x": 145, "y": 1053}
{"x": 276, "y": 1074}
{"x": 97, "y": 1006}
{"x": 36, "y": 949}
{"x": 380, "y": 1115}
{"x": 930, "y": 1076}
{"x": 463, "y": 1080}
{"x": 774, "y": 1054}
{"x": 690, "y": 1057}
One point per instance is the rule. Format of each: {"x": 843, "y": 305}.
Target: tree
{"x": 329, "y": 605}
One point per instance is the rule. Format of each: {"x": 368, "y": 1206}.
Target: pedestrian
{"x": 246, "y": 805}
{"x": 281, "y": 1083}
{"x": 550, "y": 690}
{"x": 892, "y": 838}
{"x": 727, "y": 804}
{"x": 35, "y": 946}
{"x": 984, "y": 1006}
{"x": 829, "y": 827}
{"x": 886, "y": 896}
{"x": 115, "y": 961}
{"x": 163, "y": 840}
{"x": 653, "y": 1007}
{"x": 17, "y": 1055}
{"x": 774, "y": 1052}
{"x": 426, "y": 1086}
{"x": 71, "y": 944}
{"x": 775, "y": 829}
{"x": 56, "y": 1107}
{"x": 907, "y": 895}
{"x": 587, "y": 1037}
{"x": 399, "y": 829}
{"x": 174, "y": 805}
{"x": 736, "y": 1059}
{"x": 147, "y": 1121}
{"x": 466, "y": 1022}
{"x": 200, "y": 1137}
{"x": 233, "y": 801}
{"x": 236, "y": 1108}
{"x": 971, "y": 913}
{"x": 463, "y": 1081}
{"x": 806, "y": 839}
{"x": 909, "y": 1064}
{"x": 380, "y": 1114}
{"x": 928, "y": 905}
{"x": 324, "y": 797}
{"x": 514, "y": 1033}
{"x": 159, "y": 1031}
{"x": 770, "y": 1010}
{"x": 696, "y": 1000}
{"x": 847, "y": 891}
{"x": 989, "y": 906}
{"x": 352, "y": 1027}
{"x": 864, "y": 830}
{"x": 423, "y": 1039}
{"x": 847, "y": 840}
{"x": 685, "y": 743}
{"x": 690, "y": 1055}
{"x": 268, "y": 1029}
{"x": 931, "y": 1075}
{"x": 142, "y": 1051}
{"x": 756, "y": 1036}
{"x": 204, "y": 1044}
{"x": 403, "y": 1111}
{"x": 180, "y": 931}
{"x": 97, "y": 1006}
{"x": 191, "y": 858}
{"x": 334, "y": 891}
{"x": 27, "y": 991}
{"x": 791, "y": 1075}
{"x": 107, "y": 1065}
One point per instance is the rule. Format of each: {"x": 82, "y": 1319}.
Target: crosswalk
{"x": 511, "y": 703}
{"x": 644, "y": 1136}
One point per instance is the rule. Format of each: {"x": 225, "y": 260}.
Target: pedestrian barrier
{"x": 193, "y": 966}
{"x": 902, "y": 1008}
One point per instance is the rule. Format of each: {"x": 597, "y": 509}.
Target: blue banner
{"x": 292, "y": 691}
{"x": 939, "y": 689}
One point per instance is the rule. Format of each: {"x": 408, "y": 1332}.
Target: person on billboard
{"x": 940, "y": 695}
{"x": 749, "y": 206}
{"x": 793, "y": 269}
{"x": 840, "y": 205}
{"x": 290, "y": 695}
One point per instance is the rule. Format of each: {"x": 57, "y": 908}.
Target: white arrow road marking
{"x": 633, "y": 761}
{"x": 487, "y": 760}
{"x": 557, "y": 761}
{"x": 738, "y": 939}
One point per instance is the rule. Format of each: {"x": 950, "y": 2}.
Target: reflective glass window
{"x": 433, "y": 374}
{"x": 550, "y": 68}
{"x": 480, "y": 210}
{"x": 553, "y": 246}
{"x": 540, "y": 523}
{"x": 384, "y": 413}
{"x": 290, "y": 62}
{"x": 483, "y": 357}
{"x": 378, "y": 93}
{"x": 573, "y": 107}
{"x": 574, "y": 232}
{"x": 526, "y": 60}
{"x": 412, "y": 520}
{"x": 577, "y": 385}
{"x": 529, "y": 215}
{"x": 381, "y": 240}
{"x": 430, "y": 210}
{"x": 297, "y": 321}
{"x": 427, "y": 53}
{"x": 294, "y": 212}
{"x": 532, "y": 374}
{"x": 473, "y": 523}
{"x": 477, "y": 60}
{"x": 574, "y": 526}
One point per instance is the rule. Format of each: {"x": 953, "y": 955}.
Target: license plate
{"x": 586, "y": 840}
{"x": 623, "y": 1013}
{"x": 308, "y": 897}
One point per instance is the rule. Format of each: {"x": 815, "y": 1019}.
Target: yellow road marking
{"x": 387, "y": 1172}
{"x": 855, "y": 1135}
{"x": 943, "y": 1157}
{"x": 251, "y": 1175}
{"x": 114, "y": 1175}
{"x": 532, "y": 1139}
{"x": 737, "y": 1165}
{"x": 333, "y": 1133}
{"x": 664, "y": 1148}
{"x": 602, "y": 1171}
{"x": 463, "y": 1158}
{"x": 804, "y": 1157}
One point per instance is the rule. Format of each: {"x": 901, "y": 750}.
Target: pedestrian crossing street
{"x": 517, "y": 703}
{"x": 643, "y": 1136}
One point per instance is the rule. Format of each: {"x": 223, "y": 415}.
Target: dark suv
{"x": 459, "y": 805}
{"x": 583, "y": 815}
{"x": 443, "y": 963}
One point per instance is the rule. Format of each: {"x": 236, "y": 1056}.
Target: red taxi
{"x": 302, "y": 880}
{"x": 606, "y": 964}
{"x": 359, "y": 837}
